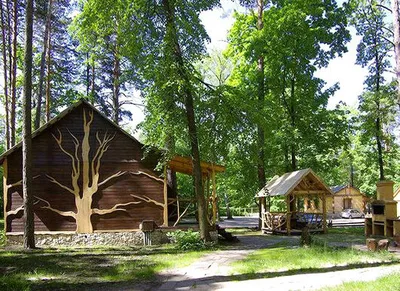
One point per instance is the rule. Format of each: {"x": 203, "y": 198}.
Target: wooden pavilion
{"x": 300, "y": 189}
{"x": 184, "y": 165}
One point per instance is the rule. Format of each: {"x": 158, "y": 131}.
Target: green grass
{"x": 285, "y": 260}
{"x": 74, "y": 269}
{"x": 387, "y": 283}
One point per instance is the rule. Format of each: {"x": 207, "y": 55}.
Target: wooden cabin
{"x": 300, "y": 189}
{"x": 396, "y": 197}
{"x": 90, "y": 175}
{"x": 345, "y": 197}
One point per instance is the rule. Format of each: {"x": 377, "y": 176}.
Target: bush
{"x": 187, "y": 240}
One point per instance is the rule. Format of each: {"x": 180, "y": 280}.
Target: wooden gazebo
{"x": 184, "y": 165}
{"x": 302, "y": 190}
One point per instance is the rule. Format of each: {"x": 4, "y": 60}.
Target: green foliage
{"x": 278, "y": 204}
{"x": 300, "y": 132}
{"x": 187, "y": 240}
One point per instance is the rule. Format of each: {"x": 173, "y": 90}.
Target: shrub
{"x": 187, "y": 240}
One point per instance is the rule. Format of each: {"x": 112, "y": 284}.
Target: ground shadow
{"x": 265, "y": 275}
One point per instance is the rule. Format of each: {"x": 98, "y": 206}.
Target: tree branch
{"x": 180, "y": 216}
{"x": 116, "y": 175}
{"x": 148, "y": 175}
{"x": 16, "y": 211}
{"x": 62, "y": 213}
{"x": 19, "y": 183}
{"x": 149, "y": 200}
{"x": 103, "y": 147}
{"x": 114, "y": 208}
{"x": 19, "y": 209}
{"x": 61, "y": 185}
{"x": 384, "y": 7}
{"x": 74, "y": 159}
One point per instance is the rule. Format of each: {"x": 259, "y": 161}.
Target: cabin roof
{"x": 302, "y": 181}
{"x": 338, "y": 188}
{"x": 184, "y": 165}
{"x": 60, "y": 116}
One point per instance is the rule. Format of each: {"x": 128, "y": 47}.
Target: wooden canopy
{"x": 299, "y": 182}
{"x": 185, "y": 165}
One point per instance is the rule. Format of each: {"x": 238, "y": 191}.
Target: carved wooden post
{"x": 214, "y": 195}
{"x": 165, "y": 212}
{"x": 288, "y": 214}
{"x": 5, "y": 192}
{"x": 324, "y": 211}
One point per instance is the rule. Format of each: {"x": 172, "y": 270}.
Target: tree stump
{"x": 383, "y": 245}
{"x": 372, "y": 244}
{"x": 305, "y": 239}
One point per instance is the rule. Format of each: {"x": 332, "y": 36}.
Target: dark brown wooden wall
{"x": 124, "y": 154}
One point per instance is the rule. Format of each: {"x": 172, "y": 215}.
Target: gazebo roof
{"x": 184, "y": 165}
{"x": 299, "y": 182}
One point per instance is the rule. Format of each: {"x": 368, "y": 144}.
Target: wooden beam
{"x": 5, "y": 192}
{"x": 288, "y": 214}
{"x": 165, "y": 210}
{"x": 214, "y": 196}
{"x": 324, "y": 212}
{"x": 306, "y": 192}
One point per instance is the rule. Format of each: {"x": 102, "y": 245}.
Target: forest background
{"x": 260, "y": 107}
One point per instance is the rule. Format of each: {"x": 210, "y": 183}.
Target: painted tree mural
{"x": 85, "y": 176}
{"x": 85, "y": 162}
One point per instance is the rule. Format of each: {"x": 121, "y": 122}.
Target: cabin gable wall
{"x": 52, "y": 168}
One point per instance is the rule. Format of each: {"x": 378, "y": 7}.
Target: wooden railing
{"x": 274, "y": 221}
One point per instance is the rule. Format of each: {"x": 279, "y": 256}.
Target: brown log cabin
{"x": 90, "y": 176}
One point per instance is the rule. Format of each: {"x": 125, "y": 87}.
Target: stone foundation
{"x": 134, "y": 238}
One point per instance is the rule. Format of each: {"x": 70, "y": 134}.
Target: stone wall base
{"x": 134, "y": 238}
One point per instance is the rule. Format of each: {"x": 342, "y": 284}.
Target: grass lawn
{"x": 388, "y": 283}
{"x": 73, "y": 269}
{"x": 349, "y": 235}
{"x": 286, "y": 259}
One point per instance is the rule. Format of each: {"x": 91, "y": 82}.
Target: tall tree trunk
{"x": 6, "y": 97}
{"x": 9, "y": 47}
{"x": 172, "y": 37}
{"x": 351, "y": 174}
{"x": 261, "y": 99}
{"x": 378, "y": 125}
{"x": 93, "y": 82}
{"x": 87, "y": 75}
{"x": 116, "y": 84}
{"x": 43, "y": 65}
{"x": 228, "y": 209}
{"x": 293, "y": 124}
{"x": 14, "y": 73}
{"x": 379, "y": 147}
{"x": 29, "y": 229}
{"x": 396, "y": 34}
{"x": 48, "y": 62}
